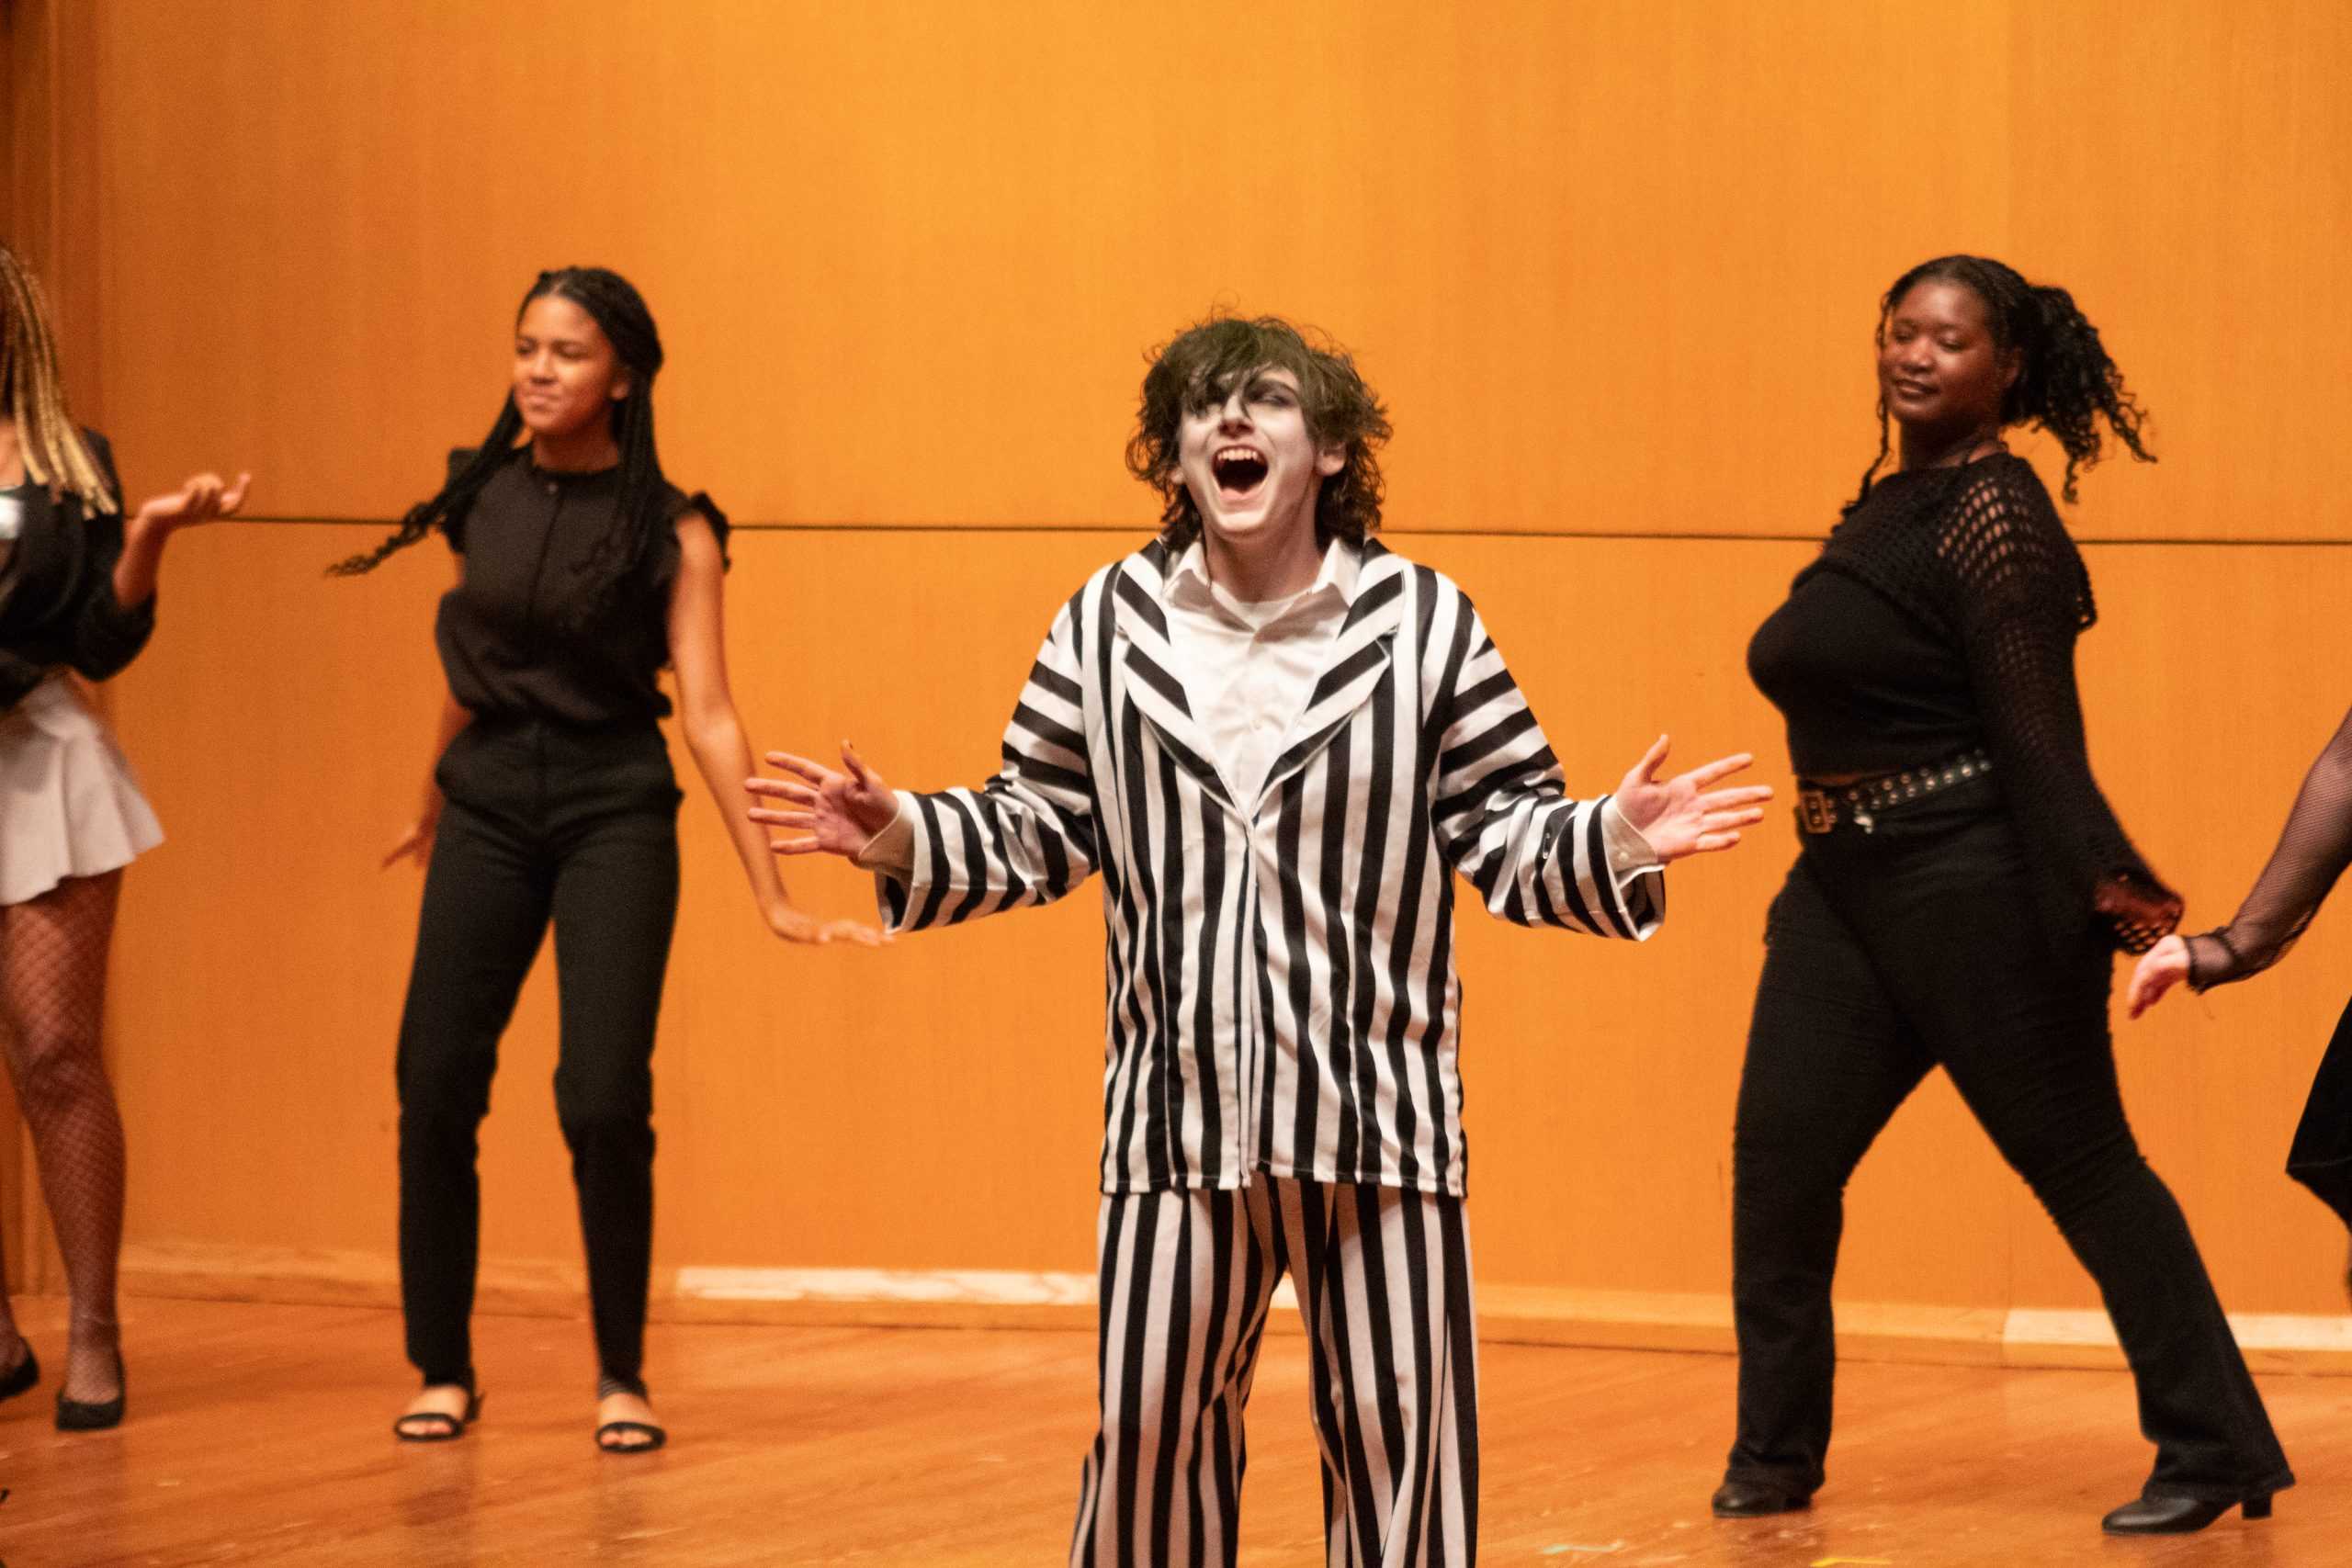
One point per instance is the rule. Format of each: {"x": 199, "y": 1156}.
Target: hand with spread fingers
{"x": 1686, "y": 815}
{"x": 840, "y": 812}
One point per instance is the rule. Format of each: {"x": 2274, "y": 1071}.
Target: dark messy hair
{"x": 1200, "y": 367}
{"x": 620, "y": 313}
{"x": 2065, "y": 381}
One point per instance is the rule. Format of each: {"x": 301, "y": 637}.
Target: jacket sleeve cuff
{"x": 891, "y": 851}
{"x": 1629, "y": 853}
{"x": 111, "y": 634}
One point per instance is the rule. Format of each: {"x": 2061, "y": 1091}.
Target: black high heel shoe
{"x": 94, "y": 1416}
{"x": 24, "y": 1374}
{"x": 2176, "y": 1515}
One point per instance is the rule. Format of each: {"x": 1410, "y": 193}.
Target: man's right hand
{"x": 840, "y": 812}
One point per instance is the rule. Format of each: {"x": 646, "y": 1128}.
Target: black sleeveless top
{"x": 512, "y": 640}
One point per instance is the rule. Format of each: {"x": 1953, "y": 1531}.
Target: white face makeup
{"x": 1251, "y": 465}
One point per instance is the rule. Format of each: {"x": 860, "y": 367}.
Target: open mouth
{"x": 1238, "y": 470}
{"x": 1914, "y": 389}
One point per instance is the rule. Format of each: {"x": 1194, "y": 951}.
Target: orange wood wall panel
{"x": 897, "y": 239}
{"x": 1613, "y": 266}
{"x": 901, "y": 239}
{"x": 2189, "y": 175}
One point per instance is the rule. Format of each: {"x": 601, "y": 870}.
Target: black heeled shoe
{"x": 94, "y": 1416}
{"x": 2176, "y": 1515}
{"x": 24, "y": 1374}
{"x": 1754, "y": 1500}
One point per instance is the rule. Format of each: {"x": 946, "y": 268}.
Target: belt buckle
{"x": 1816, "y": 810}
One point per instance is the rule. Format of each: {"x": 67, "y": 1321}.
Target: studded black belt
{"x": 1821, "y": 808}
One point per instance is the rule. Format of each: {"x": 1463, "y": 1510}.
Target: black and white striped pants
{"x": 1382, "y": 1276}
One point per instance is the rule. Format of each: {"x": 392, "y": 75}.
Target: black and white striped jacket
{"x": 1281, "y": 994}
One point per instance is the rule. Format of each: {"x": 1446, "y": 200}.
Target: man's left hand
{"x": 1686, "y": 815}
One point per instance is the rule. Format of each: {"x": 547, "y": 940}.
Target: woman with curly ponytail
{"x": 1959, "y": 895}
{"x": 581, "y": 573}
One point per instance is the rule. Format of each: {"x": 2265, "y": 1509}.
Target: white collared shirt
{"x": 1249, "y": 667}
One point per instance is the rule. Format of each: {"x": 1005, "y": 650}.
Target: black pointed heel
{"x": 94, "y": 1416}
{"x": 23, "y": 1375}
{"x": 2177, "y": 1516}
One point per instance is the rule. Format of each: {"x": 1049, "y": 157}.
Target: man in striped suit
{"x": 1277, "y": 741}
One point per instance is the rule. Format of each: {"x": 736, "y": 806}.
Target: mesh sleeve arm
{"x": 2023, "y": 598}
{"x": 2312, "y": 852}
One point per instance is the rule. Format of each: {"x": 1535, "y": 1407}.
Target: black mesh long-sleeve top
{"x": 1991, "y": 594}
{"x": 58, "y": 607}
{"x": 2313, "y": 849}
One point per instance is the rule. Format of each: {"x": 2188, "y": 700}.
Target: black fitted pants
{"x": 1915, "y": 946}
{"x": 542, "y": 822}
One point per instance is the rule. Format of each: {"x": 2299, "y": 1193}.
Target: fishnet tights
{"x": 53, "y": 983}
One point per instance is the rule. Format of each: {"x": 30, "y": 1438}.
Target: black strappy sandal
{"x": 654, "y": 1436}
{"x": 609, "y": 1384}
{"x": 445, "y": 1427}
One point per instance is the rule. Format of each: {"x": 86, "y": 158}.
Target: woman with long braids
{"x": 77, "y": 592}
{"x": 1960, "y": 892}
{"x": 581, "y": 573}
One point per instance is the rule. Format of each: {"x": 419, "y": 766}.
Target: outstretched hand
{"x": 203, "y": 499}
{"x": 840, "y": 812}
{"x": 2161, "y": 968}
{"x": 1685, "y": 815}
{"x": 795, "y": 924}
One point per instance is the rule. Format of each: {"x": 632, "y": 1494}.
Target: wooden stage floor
{"x": 259, "y": 1436}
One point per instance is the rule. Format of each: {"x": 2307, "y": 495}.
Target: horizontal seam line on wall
{"x": 1141, "y": 531}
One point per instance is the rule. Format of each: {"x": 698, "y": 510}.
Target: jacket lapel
{"x": 1141, "y": 624}
{"x": 1353, "y": 668}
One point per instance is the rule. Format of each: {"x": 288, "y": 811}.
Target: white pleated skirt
{"x": 69, "y": 802}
